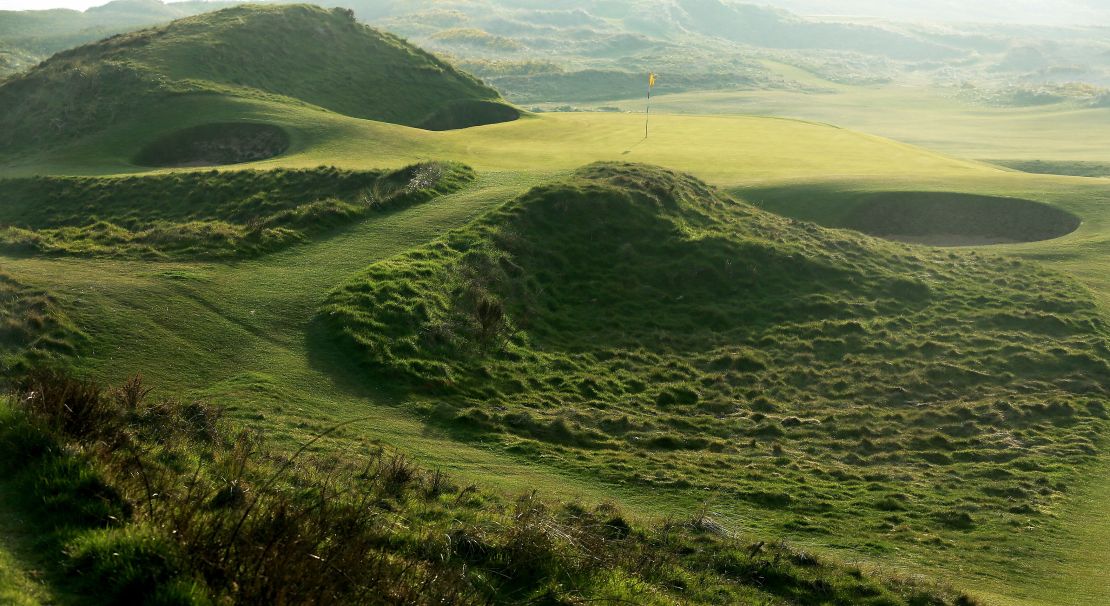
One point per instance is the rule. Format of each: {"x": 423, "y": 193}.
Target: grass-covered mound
{"x": 144, "y": 500}
{"x": 204, "y": 214}
{"x": 635, "y": 323}
{"x": 34, "y": 328}
{"x": 215, "y": 144}
{"x": 943, "y": 219}
{"x": 301, "y": 53}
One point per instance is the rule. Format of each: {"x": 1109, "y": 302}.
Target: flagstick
{"x": 647, "y": 112}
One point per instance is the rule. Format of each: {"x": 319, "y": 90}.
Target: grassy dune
{"x": 252, "y": 340}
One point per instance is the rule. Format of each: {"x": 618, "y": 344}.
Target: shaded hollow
{"x": 953, "y": 219}
{"x": 215, "y": 144}
{"x": 467, "y": 113}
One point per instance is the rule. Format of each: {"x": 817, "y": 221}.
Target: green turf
{"x": 288, "y": 385}
{"x": 245, "y": 333}
{"x": 18, "y": 585}
{"x": 35, "y": 329}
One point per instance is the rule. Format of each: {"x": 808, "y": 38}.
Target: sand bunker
{"x": 215, "y": 144}
{"x": 953, "y": 219}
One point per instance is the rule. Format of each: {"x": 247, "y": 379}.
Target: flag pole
{"x": 647, "y": 110}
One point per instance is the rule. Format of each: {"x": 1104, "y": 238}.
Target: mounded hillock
{"x": 655, "y": 331}
{"x": 297, "y": 52}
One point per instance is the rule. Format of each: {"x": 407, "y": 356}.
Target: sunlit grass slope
{"x": 918, "y": 114}
{"x": 725, "y": 149}
{"x": 245, "y": 342}
{"x": 1069, "y": 567}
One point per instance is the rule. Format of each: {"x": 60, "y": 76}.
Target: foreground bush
{"x": 159, "y": 502}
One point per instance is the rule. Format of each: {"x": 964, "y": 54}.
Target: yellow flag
{"x": 651, "y": 80}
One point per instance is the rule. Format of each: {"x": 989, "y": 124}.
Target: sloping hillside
{"x": 300, "y": 53}
{"x": 635, "y": 322}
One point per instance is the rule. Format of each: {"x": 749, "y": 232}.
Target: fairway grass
{"x": 243, "y": 333}
{"x": 1063, "y": 135}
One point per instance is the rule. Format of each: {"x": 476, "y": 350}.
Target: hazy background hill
{"x": 1055, "y": 12}
{"x": 535, "y": 53}
{"x": 585, "y": 51}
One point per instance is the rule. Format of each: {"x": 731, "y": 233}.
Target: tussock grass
{"x": 661, "y": 334}
{"x": 34, "y": 328}
{"x": 160, "y": 502}
{"x": 205, "y": 214}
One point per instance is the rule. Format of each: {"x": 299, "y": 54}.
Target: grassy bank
{"x": 155, "y": 501}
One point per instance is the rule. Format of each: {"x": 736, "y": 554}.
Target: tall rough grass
{"x": 156, "y": 501}
{"x": 205, "y": 214}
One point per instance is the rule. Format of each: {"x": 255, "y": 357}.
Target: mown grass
{"x": 155, "y": 501}
{"x": 951, "y": 398}
{"x": 204, "y": 214}
{"x": 1060, "y": 134}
